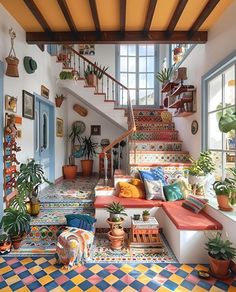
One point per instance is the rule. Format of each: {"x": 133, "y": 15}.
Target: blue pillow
{"x": 159, "y": 174}
{"x": 145, "y": 174}
{"x": 85, "y": 222}
{"x": 173, "y": 192}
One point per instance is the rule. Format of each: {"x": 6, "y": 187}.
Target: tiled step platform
{"x": 154, "y": 126}
{"x": 164, "y": 135}
{"x": 158, "y": 156}
{"x": 154, "y": 145}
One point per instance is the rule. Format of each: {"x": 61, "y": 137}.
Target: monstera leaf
{"x": 227, "y": 122}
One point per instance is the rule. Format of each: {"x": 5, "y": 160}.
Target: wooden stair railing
{"x": 113, "y": 90}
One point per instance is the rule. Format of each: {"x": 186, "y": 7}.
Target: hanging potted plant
{"x": 89, "y": 151}
{"x": 59, "y": 100}
{"x": 16, "y": 224}
{"x": 70, "y": 170}
{"x": 30, "y": 177}
{"x": 220, "y": 252}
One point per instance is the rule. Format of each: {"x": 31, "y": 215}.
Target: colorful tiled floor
{"x": 40, "y": 274}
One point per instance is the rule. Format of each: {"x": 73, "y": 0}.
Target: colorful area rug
{"x": 70, "y": 190}
{"x": 102, "y": 253}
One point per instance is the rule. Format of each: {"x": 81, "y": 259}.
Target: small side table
{"x": 145, "y": 233}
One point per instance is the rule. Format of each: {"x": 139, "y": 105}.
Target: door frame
{"x": 1, "y": 135}
{"x": 51, "y": 137}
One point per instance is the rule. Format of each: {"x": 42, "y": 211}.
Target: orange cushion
{"x": 133, "y": 189}
{"x": 187, "y": 220}
{"x": 102, "y": 201}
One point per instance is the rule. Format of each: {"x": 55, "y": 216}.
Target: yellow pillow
{"x": 128, "y": 190}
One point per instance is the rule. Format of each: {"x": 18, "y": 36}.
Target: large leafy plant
{"x": 219, "y": 248}
{"x": 15, "y": 222}
{"x": 89, "y": 148}
{"x": 203, "y": 165}
{"x": 96, "y": 70}
{"x": 222, "y": 188}
{"x": 74, "y": 136}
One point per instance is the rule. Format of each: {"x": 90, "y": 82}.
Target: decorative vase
{"x": 223, "y": 202}
{"x": 33, "y": 208}
{"x": 69, "y": 171}
{"x": 166, "y": 117}
{"x": 219, "y": 267}
{"x": 117, "y": 230}
{"x": 87, "y": 167}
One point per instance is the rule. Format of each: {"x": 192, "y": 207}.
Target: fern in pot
{"x": 89, "y": 151}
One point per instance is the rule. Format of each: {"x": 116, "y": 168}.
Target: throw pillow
{"x": 154, "y": 190}
{"x": 171, "y": 174}
{"x": 81, "y": 221}
{"x": 159, "y": 174}
{"x": 128, "y": 190}
{"x": 146, "y": 174}
{"x": 194, "y": 204}
{"x": 173, "y": 192}
{"x": 184, "y": 186}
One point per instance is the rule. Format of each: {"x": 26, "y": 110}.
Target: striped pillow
{"x": 194, "y": 204}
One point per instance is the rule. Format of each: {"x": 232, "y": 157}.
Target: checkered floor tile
{"x": 42, "y": 274}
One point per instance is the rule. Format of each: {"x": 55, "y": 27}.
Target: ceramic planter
{"x": 146, "y": 217}
{"x": 16, "y": 241}
{"x": 224, "y": 203}
{"x": 116, "y": 241}
{"x": 115, "y": 216}
{"x": 117, "y": 230}
{"x": 33, "y": 208}
{"x": 87, "y": 167}
{"x": 219, "y": 267}
{"x": 69, "y": 171}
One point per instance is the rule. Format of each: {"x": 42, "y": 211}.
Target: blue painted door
{"x": 43, "y": 145}
{"x": 1, "y": 135}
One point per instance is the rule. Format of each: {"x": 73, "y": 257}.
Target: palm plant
{"x": 89, "y": 148}
{"x": 165, "y": 74}
{"x": 74, "y": 136}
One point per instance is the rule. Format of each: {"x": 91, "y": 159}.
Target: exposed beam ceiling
{"x": 37, "y": 14}
{"x": 211, "y": 4}
{"x": 150, "y": 13}
{"x": 94, "y": 11}
{"x": 66, "y": 12}
{"x": 109, "y": 37}
{"x": 176, "y": 16}
{"x": 122, "y": 15}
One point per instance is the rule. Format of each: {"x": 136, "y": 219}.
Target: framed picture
{"x": 27, "y": 105}
{"x": 96, "y": 130}
{"x": 194, "y": 127}
{"x": 11, "y": 103}
{"x": 59, "y": 127}
{"x": 44, "y": 91}
{"x": 87, "y": 49}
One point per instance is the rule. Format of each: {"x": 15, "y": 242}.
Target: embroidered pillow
{"x": 194, "y": 204}
{"x": 154, "y": 190}
{"x": 173, "y": 192}
{"x": 128, "y": 190}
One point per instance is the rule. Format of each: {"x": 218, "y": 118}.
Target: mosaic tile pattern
{"x": 156, "y": 135}
{"x": 144, "y": 126}
{"x": 41, "y": 274}
{"x": 153, "y": 119}
{"x": 143, "y": 157}
{"x": 147, "y": 112}
{"x": 155, "y": 146}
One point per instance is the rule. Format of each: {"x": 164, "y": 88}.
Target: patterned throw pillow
{"x": 129, "y": 190}
{"x": 185, "y": 187}
{"x": 81, "y": 221}
{"x": 146, "y": 174}
{"x": 153, "y": 174}
{"x": 173, "y": 192}
{"x": 154, "y": 190}
{"x": 194, "y": 204}
{"x": 171, "y": 175}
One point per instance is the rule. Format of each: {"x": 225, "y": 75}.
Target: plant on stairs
{"x": 88, "y": 151}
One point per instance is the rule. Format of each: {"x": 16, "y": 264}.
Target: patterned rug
{"x": 81, "y": 188}
{"x": 102, "y": 253}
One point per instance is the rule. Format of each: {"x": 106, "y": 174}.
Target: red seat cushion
{"x": 187, "y": 220}
{"x": 102, "y": 201}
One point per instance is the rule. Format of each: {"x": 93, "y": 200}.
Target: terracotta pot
{"x": 224, "y": 204}
{"x": 91, "y": 80}
{"x": 69, "y": 171}
{"x": 219, "y": 267}
{"x": 87, "y": 167}
{"x": 58, "y": 101}
{"x": 146, "y": 218}
{"x": 117, "y": 230}
{"x": 116, "y": 241}
{"x": 12, "y": 66}
{"x": 16, "y": 241}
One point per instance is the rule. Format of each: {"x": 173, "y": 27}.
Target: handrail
{"x": 92, "y": 64}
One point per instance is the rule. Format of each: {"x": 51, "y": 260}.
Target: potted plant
{"x": 94, "y": 73}
{"x": 116, "y": 210}
{"x": 59, "y": 100}
{"x": 220, "y": 252}
{"x": 146, "y": 215}
{"x": 164, "y": 75}
{"x": 70, "y": 170}
{"x": 89, "y": 151}
{"x": 200, "y": 172}
{"x": 64, "y": 75}
{"x": 16, "y": 224}
{"x": 223, "y": 193}
{"x": 30, "y": 177}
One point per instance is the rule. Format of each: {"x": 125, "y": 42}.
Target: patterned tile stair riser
{"x": 143, "y": 119}
{"x": 147, "y": 112}
{"x": 158, "y": 157}
{"x": 154, "y": 126}
{"x": 154, "y": 135}
{"x": 155, "y": 146}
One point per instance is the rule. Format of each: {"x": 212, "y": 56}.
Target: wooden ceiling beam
{"x": 211, "y": 4}
{"x": 149, "y": 16}
{"x": 66, "y": 12}
{"x": 176, "y": 16}
{"x": 37, "y": 14}
{"x": 115, "y": 37}
{"x": 122, "y": 15}
{"x": 94, "y": 11}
